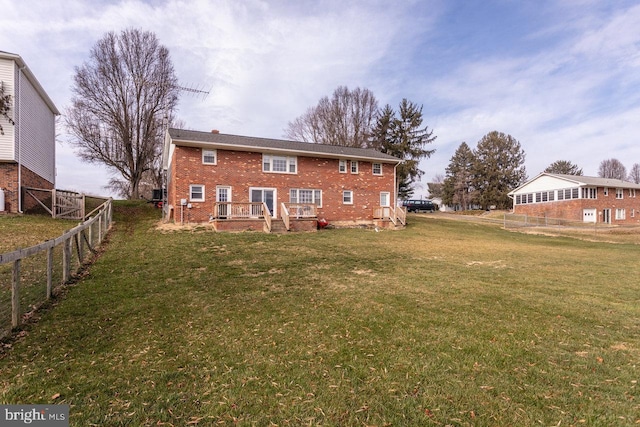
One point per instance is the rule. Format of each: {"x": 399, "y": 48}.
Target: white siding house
{"x": 27, "y": 148}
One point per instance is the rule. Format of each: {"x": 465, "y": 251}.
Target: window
{"x": 279, "y": 164}
{"x": 517, "y": 199}
{"x": 208, "y": 157}
{"x": 384, "y": 198}
{"x": 347, "y": 197}
{"x": 560, "y": 194}
{"x": 342, "y": 166}
{"x": 605, "y": 191}
{"x": 305, "y": 196}
{"x": 633, "y": 213}
{"x": 620, "y": 214}
{"x": 377, "y": 168}
{"x": 575, "y": 193}
{"x": 196, "y": 193}
{"x": 589, "y": 193}
{"x": 619, "y": 193}
{"x": 530, "y": 198}
{"x": 632, "y": 192}
{"x": 538, "y": 197}
{"x": 354, "y": 166}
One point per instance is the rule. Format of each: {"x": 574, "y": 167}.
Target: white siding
{"x": 546, "y": 183}
{"x": 7, "y": 144}
{"x": 36, "y": 124}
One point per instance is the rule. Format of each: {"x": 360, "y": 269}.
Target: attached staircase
{"x": 277, "y": 226}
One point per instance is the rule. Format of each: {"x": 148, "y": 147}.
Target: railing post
{"x": 15, "y": 294}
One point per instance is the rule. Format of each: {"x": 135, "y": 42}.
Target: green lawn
{"x": 443, "y": 323}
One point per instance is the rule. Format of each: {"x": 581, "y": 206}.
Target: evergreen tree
{"x": 402, "y": 135}
{"x": 498, "y": 169}
{"x": 458, "y": 184}
{"x": 564, "y": 167}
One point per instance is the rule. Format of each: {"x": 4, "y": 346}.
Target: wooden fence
{"x": 28, "y": 276}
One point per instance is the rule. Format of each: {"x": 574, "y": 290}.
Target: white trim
{"x": 373, "y": 168}
{"x": 191, "y": 199}
{"x": 344, "y": 192}
{"x": 342, "y": 163}
{"x": 215, "y": 156}
{"x": 354, "y": 162}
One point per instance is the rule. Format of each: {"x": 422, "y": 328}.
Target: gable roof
{"x": 32, "y": 78}
{"x": 190, "y": 138}
{"x": 583, "y": 181}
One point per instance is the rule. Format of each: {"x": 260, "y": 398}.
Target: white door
{"x": 223, "y": 197}
{"x": 589, "y": 215}
{"x": 606, "y": 216}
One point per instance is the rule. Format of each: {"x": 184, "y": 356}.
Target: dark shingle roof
{"x": 249, "y": 143}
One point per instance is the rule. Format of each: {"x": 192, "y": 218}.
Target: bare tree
{"x": 612, "y": 168}
{"x": 122, "y": 95}
{"x": 634, "y": 174}
{"x": 344, "y": 119}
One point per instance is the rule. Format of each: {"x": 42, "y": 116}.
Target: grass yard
{"x": 443, "y": 323}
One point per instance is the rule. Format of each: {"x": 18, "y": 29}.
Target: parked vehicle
{"x": 419, "y": 205}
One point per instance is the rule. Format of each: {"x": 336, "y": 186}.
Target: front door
{"x": 606, "y": 216}
{"x": 266, "y": 195}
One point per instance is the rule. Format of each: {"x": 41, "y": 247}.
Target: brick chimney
{"x": 215, "y": 131}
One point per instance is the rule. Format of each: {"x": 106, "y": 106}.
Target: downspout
{"x": 19, "y": 139}
{"x": 395, "y": 186}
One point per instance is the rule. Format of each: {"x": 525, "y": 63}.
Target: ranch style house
{"x": 578, "y": 198}
{"x": 246, "y": 183}
{"x": 28, "y": 140}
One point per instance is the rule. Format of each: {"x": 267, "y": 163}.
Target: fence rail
{"x": 45, "y": 265}
{"x": 519, "y": 221}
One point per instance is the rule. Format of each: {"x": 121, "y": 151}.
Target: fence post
{"x": 15, "y": 295}
{"x": 49, "y": 271}
{"x": 80, "y": 244}
{"x": 66, "y": 260}
{"x": 54, "y": 203}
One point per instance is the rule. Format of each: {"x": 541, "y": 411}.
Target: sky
{"x": 560, "y": 76}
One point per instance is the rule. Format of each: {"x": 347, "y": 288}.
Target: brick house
{"x": 27, "y": 146}
{"x": 241, "y": 183}
{"x": 579, "y": 198}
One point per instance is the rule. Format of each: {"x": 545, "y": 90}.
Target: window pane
{"x": 279, "y": 164}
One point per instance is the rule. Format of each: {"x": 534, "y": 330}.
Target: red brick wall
{"x": 572, "y": 209}
{"x": 242, "y": 170}
{"x": 9, "y": 183}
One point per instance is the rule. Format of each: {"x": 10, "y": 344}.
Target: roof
{"x": 591, "y": 181}
{"x": 248, "y": 143}
{"x": 32, "y": 78}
